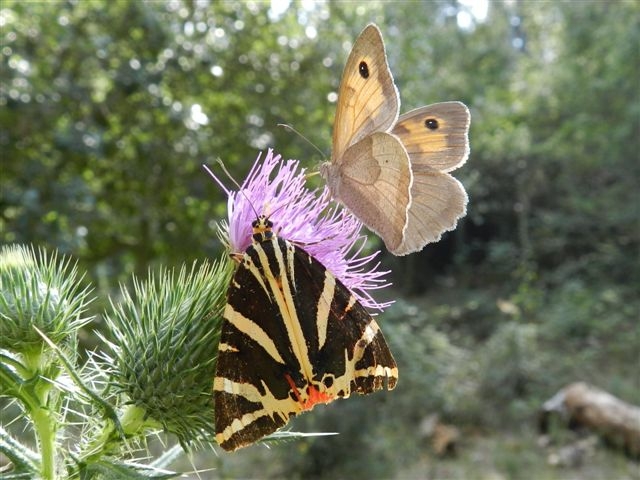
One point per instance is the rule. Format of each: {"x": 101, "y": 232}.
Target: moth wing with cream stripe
{"x": 293, "y": 336}
{"x": 436, "y": 139}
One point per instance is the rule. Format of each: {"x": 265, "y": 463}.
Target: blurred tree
{"x": 111, "y": 108}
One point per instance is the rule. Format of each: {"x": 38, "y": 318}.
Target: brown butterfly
{"x": 391, "y": 172}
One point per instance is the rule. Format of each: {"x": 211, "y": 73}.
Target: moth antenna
{"x": 291, "y": 129}
{"x": 240, "y": 189}
{"x": 233, "y": 180}
{"x": 224, "y": 169}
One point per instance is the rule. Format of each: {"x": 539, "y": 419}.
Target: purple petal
{"x": 276, "y": 188}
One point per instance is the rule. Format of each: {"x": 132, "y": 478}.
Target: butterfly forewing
{"x": 293, "y": 336}
{"x": 368, "y": 99}
{"x": 361, "y": 360}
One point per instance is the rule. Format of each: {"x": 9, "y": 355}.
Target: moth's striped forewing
{"x": 293, "y": 336}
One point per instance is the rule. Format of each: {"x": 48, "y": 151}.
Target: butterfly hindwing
{"x": 438, "y": 201}
{"x": 374, "y": 182}
{"x": 292, "y": 336}
{"x": 436, "y": 139}
{"x": 436, "y": 135}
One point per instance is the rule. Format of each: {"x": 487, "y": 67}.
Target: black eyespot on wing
{"x": 431, "y": 124}
{"x": 363, "y": 68}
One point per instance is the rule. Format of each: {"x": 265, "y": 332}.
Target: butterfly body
{"x": 293, "y": 336}
{"x": 391, "y": 171}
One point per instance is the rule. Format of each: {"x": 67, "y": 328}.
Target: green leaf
{"x": 25, "y": 461}
{"x": 114, "y": 470}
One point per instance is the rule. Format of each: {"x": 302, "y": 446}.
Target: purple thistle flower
{"x": 329, "y": 234}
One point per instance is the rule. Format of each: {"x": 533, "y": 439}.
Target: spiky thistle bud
{"x": 165, "y": 345}
{"x": 38, "y": 291}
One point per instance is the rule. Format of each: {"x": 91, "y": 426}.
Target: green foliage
{"x": 121, "y": 118}
{"x": 510, "y": 369}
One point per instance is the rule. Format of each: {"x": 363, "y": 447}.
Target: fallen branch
{"x": 583, "y": 405}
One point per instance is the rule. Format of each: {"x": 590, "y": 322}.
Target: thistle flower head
{"x": 276, "y": 188}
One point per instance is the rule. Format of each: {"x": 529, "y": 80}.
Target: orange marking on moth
{"x": 315, "y": 395}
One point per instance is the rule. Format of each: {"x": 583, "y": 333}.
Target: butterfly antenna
{"x": 291, "y": 129}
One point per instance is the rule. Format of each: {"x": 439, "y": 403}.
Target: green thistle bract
{"x": 39, "y": 291}
{"x": 165, "y": 345}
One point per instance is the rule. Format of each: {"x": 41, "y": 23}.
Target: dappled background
{"x": 109, "y": 109}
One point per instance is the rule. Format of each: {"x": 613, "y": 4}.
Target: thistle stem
{"x": 109, "y": 440}
{"x": 41, "y": 408}
{"x": 45, "y": 429}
